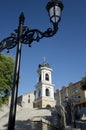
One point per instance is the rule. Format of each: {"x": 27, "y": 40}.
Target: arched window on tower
{"x": 39, "y": 93}
{"x": 47, "y": 92}
{"x": 40, "y": 77}
{"x": 47, "y": 77}
{"x": 28, "y": 98}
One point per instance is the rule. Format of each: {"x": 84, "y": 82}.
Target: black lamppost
{"x": 26, "y": 36}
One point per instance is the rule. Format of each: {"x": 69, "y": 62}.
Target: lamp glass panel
{"x": 55, "y": 19}
{"x": 58, "y": 11}
{"x": 55, "y": 14}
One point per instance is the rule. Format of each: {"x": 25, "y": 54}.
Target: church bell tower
{"x": 44, "y": 94}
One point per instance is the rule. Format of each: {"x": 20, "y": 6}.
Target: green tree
{"x": 6, "y": 77}
{"x": 83, "y": 83}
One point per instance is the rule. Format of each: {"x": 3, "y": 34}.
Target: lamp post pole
{"x": 12, "y": 114}
{"x": 23, "y": 35}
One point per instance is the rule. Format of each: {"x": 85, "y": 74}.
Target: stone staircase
{"x": 24, "y": 116}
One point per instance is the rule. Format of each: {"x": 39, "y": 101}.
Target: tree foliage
{"x": 83, "y": 83}
{"x": 6, "y": 77}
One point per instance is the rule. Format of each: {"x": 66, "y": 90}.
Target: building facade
{"x": 26, "y": 100}
{"x": 44, "y": 94}
{"x": 72, "y": 91}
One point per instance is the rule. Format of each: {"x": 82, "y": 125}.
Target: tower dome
{"x": 44, "y": 64}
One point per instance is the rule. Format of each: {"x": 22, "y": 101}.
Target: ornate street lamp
{"x": 25, "y": 35}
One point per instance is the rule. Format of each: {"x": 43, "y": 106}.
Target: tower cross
{"x": 44, "y": 59}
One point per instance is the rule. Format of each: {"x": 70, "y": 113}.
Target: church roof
{"x": 44, "y": 64}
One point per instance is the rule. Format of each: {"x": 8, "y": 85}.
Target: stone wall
{"x": 38, "y": 124}
{"x": 42, "y": 124}
{"x": 26, "y": 100}
{"x": 44, "y": 102}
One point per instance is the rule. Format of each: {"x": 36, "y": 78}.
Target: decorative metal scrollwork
{"x": 27, "y": 37}
{"x": 35, "y": 35}
{"x": 9, "y": 42}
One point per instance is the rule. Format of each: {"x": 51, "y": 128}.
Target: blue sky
{"x": 65, "y": 52}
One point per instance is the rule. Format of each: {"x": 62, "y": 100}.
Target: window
{"x": 48, "y": 106}
{"x": 28, "y": 98}
{"x": 47, "y": 92}
{"x": 39, "y": 93}
{"x": 40, "y": 77}
{"x": 76, "y": 89}
{"x": 47, "y": 77}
